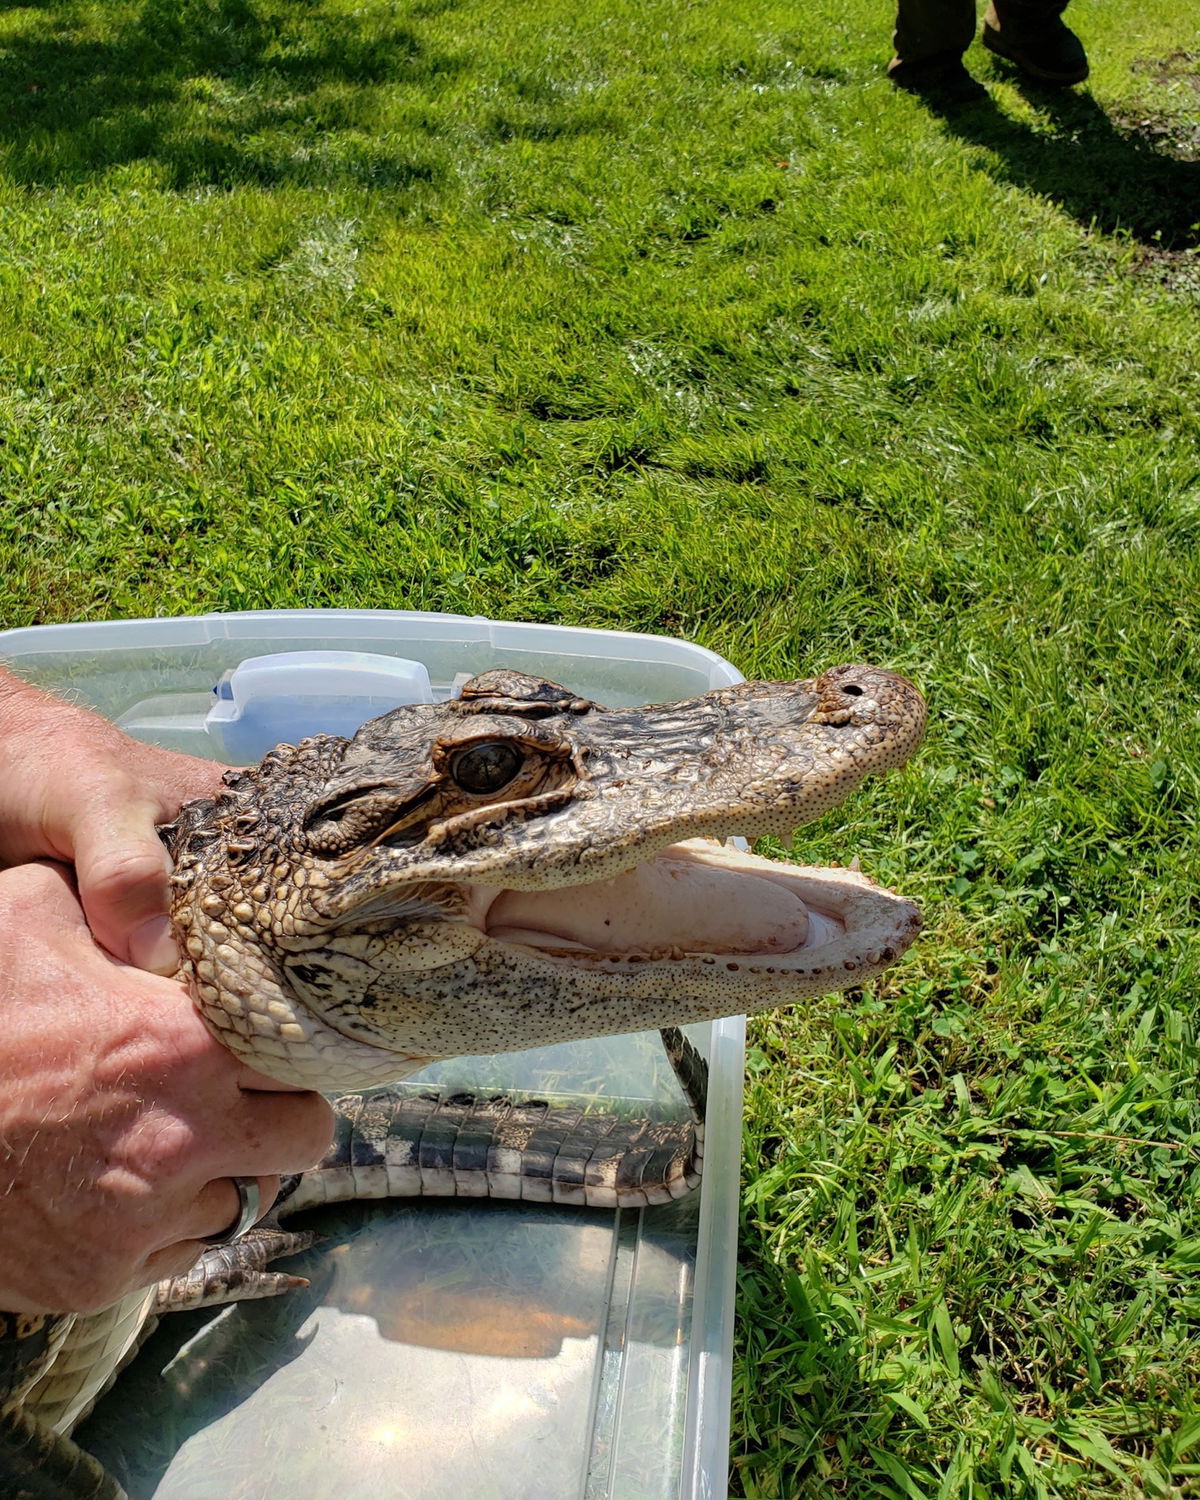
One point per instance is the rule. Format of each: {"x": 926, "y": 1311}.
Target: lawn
{"x": 678, "y": 318}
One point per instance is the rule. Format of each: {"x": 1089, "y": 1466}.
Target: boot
{"x": 1037, "y": 39}
{"x": 931, "y": 37}
{"x": 942, "y": 76}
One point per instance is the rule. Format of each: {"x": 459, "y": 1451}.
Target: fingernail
{"x": 152, "y": 946}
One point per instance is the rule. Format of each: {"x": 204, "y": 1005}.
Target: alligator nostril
{"x": 852, "y": 690}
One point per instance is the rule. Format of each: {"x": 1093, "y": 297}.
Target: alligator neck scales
{"x": 515, "y": 867}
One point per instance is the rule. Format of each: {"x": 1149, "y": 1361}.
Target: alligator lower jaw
{"x": 702, "y": 902}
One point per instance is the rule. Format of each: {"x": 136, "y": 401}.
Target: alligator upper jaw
{"x": 699, "y": 900}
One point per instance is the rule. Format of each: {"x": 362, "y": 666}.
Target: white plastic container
{"x": 496, "y": 1351}
{"x": 269, "y": 700}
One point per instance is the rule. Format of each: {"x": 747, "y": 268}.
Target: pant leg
{"x": 1030, "y": 11}
{"x": 933, "y": 28}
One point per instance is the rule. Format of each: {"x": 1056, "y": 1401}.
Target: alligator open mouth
{"x": 702, "y": 900}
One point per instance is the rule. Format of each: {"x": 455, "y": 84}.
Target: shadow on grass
{"x": 1122, "y": 178}
{"x": 212, "y": 92}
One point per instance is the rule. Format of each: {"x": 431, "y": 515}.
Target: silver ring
{"x": 249, "y": 1199}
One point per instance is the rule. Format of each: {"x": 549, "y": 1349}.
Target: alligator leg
{"x": 37, "y": 1463}
{"x": 237, "y": 1272}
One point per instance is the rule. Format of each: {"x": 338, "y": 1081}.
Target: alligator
{"x": 513, "y": 867}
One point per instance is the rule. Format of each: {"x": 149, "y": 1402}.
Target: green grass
{"x": 680, "y": 319}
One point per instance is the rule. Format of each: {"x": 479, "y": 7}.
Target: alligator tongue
{"x": 696, "y": 897}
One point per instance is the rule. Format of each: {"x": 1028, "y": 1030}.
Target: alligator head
{"x": 520, "y": 866}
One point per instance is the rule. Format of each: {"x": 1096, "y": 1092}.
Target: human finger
{"x": 282, "y": 1132}
{"x": 216, "y": 1211}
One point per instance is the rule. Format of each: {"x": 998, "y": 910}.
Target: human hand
{"x": 76, "y": 789}
{"x": 122, "y": 1119}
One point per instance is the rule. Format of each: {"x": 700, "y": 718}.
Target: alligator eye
{"x": 486, "y": 768}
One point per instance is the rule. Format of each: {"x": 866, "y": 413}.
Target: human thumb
{"x": 123, "y": 871}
